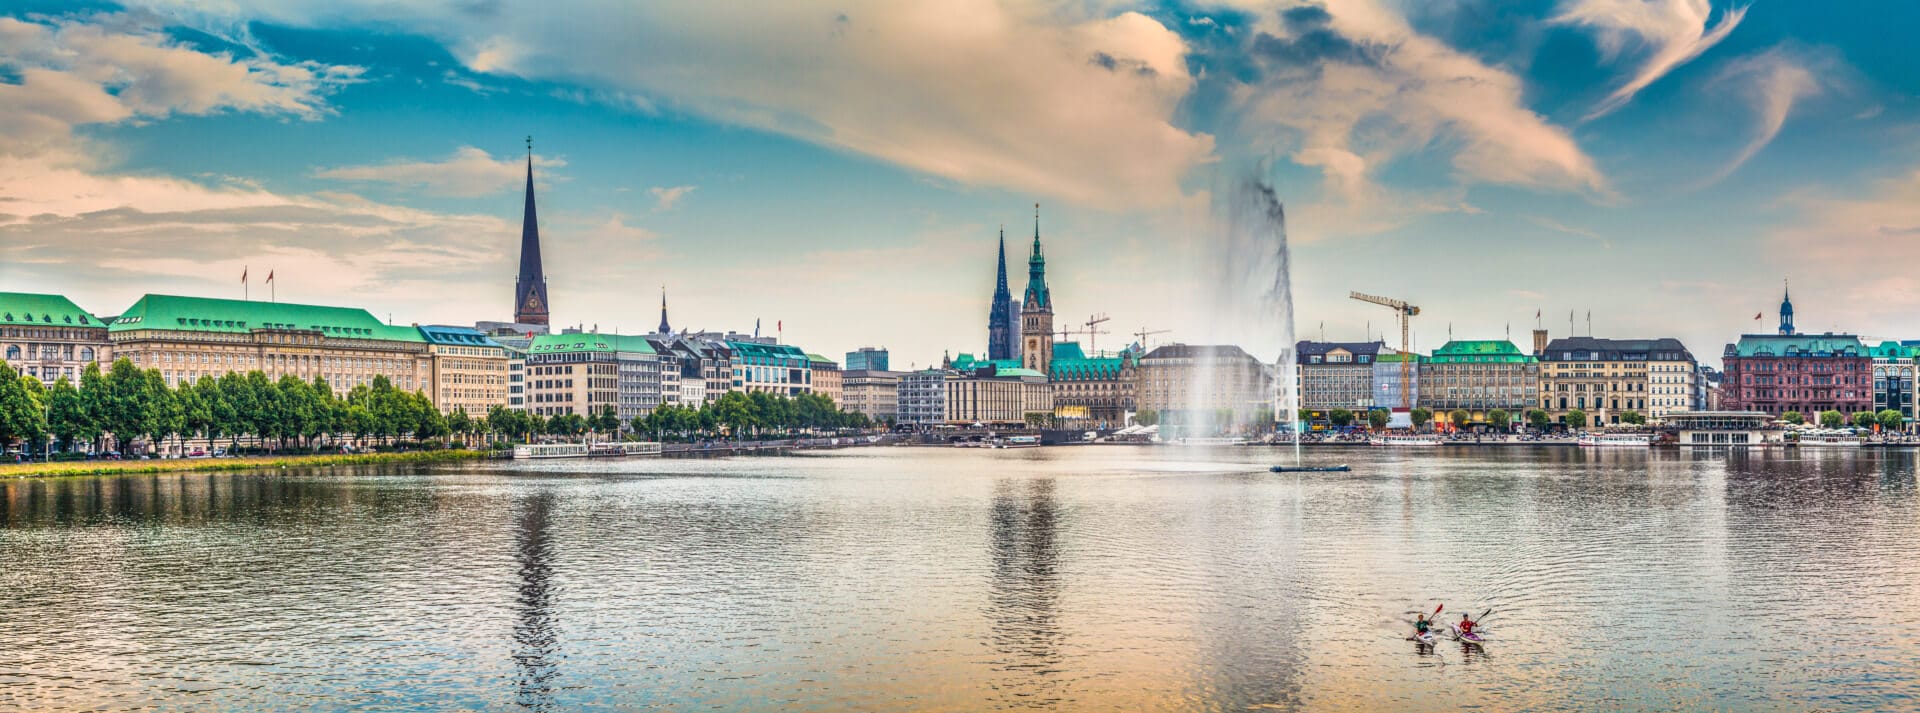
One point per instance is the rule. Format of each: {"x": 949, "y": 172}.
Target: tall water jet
{"x": 1249, "y": 272}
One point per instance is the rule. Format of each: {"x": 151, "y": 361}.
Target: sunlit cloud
{"x": 1670, "y": 32}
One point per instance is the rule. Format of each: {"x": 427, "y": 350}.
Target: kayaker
{"x": 1466, "y": 624}
{"x": 1422, "y": 625}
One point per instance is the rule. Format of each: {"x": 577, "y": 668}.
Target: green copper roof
{"x": 457, "y": 336}
{"x": 1891, "y": 350}
{"x": 20, "y": 308}
{"x": 770, "y": 351}
{"x": 589, "y": 342}
{"x": 1819, "y": 345}
{"x": 1017, "y": 372}
{"x": 1480, "y": 351}
{"x": 203, "y": 314}
{"x": 817, "y": 360}
{"x": 1396, "y": 357}
{"x": 967, "y": 362}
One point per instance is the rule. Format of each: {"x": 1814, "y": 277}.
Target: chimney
{"x": 1539, "y": 342}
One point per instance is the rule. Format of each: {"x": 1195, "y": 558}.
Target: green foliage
{"x": 1499, "y": 418}
{"x": 1577, "y": 418}
{"x": 1146, "y": 417}
{"x": 1793, "y": 417}
{"x": 1340, "y": 417}
{"x": 1865, "y": 419}
{"x": 1832, "y": 419}
{"x": 1633, "y": 417}
{"x": 1538, "y": 419}
{"x": 1421, "y": 416}
{"x": 1459, "y": 417}
{"x": 1891, "y": 420}
{"x": 1379, "y": 418}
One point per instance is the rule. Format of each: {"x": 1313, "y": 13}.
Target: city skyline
{"x": 1663, "y": 169}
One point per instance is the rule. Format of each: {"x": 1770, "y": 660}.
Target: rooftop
{"x": 456, "y": 336}
{"x": 1480, "y": 351}
{"x": 206, "y": 314}
{"x": 1308, "y": 348}
{"x": 590, "y": 342}
{"x": 21, "y": 308}
{"x": 1592, "y": 349}
{"x": 1814, "y": 345}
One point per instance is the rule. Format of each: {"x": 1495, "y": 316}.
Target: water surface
{"x": 1086, "y": 578}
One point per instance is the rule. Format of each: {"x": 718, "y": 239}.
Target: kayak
{"x": 1427, "y": 637}
{"x": 1469, "y": 637}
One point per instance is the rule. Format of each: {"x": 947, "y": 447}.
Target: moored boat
{"x": 549, "y": 450}
{"x": 1615, "y": 440}
{"x": 1828, "y": 440}
{"x": 1017, "y": 442}
{"x": 1405, "y": 439}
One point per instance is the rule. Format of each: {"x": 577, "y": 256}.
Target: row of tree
{"x": 125, "y": 404}
{"x": 1498, "y": 419}
{"x": 1887, "y": 419}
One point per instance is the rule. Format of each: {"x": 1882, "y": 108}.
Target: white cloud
{"x": 1771, "y": 82}
{"x": 1674, "y": 32}
{"x": 1055, "y": 101}
{"x": 667, "y": 198}
{"x": 469, "y": 172}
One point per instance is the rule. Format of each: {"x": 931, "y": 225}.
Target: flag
{"x": 1758, "y": 315}
{"x": 1536, "y": 314}
{"x": 243, "y": 275}
{"x": 779, "y": 325}
{"x": 269, "y": 275}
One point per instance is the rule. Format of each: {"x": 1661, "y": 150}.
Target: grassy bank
{"x": 37, "y": 470}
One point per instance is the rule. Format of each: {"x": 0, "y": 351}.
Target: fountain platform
{"x": 1309, "y": 469}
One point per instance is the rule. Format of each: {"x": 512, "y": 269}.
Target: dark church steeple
{"x": 1003, "y": 339}
{"x": 664, "y": 327}
{"x": 530, "y": 290}
{"x": 1786, "y": 309}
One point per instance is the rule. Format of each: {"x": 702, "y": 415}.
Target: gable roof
{"x": 1595, "y": 349}
{"x": 206, "y": 314}
{"x": 1815, "y": 345}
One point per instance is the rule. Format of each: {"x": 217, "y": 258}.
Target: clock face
{"x": 533, "y": 302}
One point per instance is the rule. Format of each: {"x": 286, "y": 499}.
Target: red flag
{"x": 779, "y": 325}
{"x": 243, "y": 275}
{"x": 269, "y": 275}
{"x": 1757, "y": 315}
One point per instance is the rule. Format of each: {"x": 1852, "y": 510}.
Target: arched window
{"x": 86, "y": 354}
{"x": 13, "y": 352}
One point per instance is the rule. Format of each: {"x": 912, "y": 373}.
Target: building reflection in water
{"x": 1025, "y": 594}
{"x": 535, "y": 641}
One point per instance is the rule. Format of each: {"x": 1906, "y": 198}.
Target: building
{"x": 826, "y": 377}
{"x": 584, "y": 372}
{"x": 1036, "y": 309}
{"x": 1387, "y": 378}
{"x": 867, "y": 359}
{"x": 190, "y": 337}
{"x": 1003, "y": 318}
{"x": 922, "y": 397}
{"x": 1192, "y": 383}
{"x": 1606, "y": 378}
{"x": 770, "y": 368}
{"x": 1479, "y": 376}
{"x": 997, "y": 397}
{"x": 873, "y": 392}
{"x": 1724, "y": 428}
{"x": 530, "y": 304}
{"x": 1789, "y": 371}
{"x": 1893, "y": 364}
{"x": 49, "y": 337}
{"x": 665, "y": 329}
{"x": 1336, "y": 375}
{"x": 1092, "y": 391}
{"x": 470, "y": 371}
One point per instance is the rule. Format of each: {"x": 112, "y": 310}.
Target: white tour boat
{"x": 1017, "y": 442}
{"x": 1828, "y": 440}
{"x": 618, "y": 449}
{"x": 1405, "y": 439}
{"x": 1211, "y": 441}
{"x": 550, "y": 450}
{"x": 1615, "y": 440}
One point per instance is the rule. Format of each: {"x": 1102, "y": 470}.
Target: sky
{"x": 843, "y": 170}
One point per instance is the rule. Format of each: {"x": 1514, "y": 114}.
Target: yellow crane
{"x": 1093, "y": 329}
{"x": 1403, "y": 311}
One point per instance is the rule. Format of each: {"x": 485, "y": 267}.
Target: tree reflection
{"x": 1024, "y": 600}
{"x": 534, "y": 631}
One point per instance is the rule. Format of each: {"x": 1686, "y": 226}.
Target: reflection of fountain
{"x": 1025, "y": 592}
{"x": 1251, "y": 276}
{"x": 534, "y": 638}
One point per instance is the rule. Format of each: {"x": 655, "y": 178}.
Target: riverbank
{"x": 120, "y": 467}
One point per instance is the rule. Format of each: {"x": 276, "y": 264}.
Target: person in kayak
{"x": 1422, "y": 625}
{"x": 1466, "y": 624}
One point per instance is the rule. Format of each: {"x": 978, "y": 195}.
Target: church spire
{"x": 1786, "y": 308}
{"x": 530, "y": 290}
{"x": 1037, "y": 295}
{"x": 664, "y": 327}
{"x": 1003, "y": 322}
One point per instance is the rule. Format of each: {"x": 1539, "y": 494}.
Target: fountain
{"x": 1250, "y": 274}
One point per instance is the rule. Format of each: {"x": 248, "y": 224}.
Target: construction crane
{"x": 1144, "y": 333}
{"x": 1093, "y": 329}
{"x": 1403, "y": 311}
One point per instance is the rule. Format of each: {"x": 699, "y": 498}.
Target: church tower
{"x": 1036, "y": 309}
{"x": 530, "y": 290}
{"x": 664, "y": 328}
{"x": 1002, "y": 323}
{"x": 1786, "y": 311}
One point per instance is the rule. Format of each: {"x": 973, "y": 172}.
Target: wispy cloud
{"x": 1559, "y": 227}
{"x": 1771, "y": 82}
{"x": 667, "y": 198}
{"x": 1673, "y": 32}
{"x": 469, "y": 172}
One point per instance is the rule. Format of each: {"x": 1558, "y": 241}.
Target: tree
{"x": 1865, "y": 419}
{"x": 1793, "y": 417}
{"x": 67, "y": 414}
{"x": 1538, "y": 419}
{"x": 1379, "y": 418}
{"x": 1633, "y": 417}
{"x": 1421, "y": 416}
{"x": 1832, "y": 419}
{"x": 93, "y": 402}
{"x": 1577, "y": 418}
{"x": 1146, "y": 417}
{"x": 21, "y": 413}
{"x": 1499, "y": 418}
{"x": 1341, "y": 417}
{"x": 607, "y": 421}
{"x": 1891, "y": 420}
{"x": 459, "y": 423}
{"x": 1459, "y": 417}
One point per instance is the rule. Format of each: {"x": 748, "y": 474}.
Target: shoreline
{"x": 212, "y": 465}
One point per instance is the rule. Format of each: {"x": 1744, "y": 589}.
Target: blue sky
{"x": 844, "y": 168}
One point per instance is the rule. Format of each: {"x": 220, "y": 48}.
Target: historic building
{"x": 584, "y": 372}
{"x": 1087, "y": 391}
{"x": 190, "y": 337}
{"x": 1003, "y": 319}
{"x": 1605, "y": 378}
{"x": 1789, "y": 371}
{"x": 992, "y": 396}
{"x": 470, "y": 371}
{"x": 1893, "y": 368}
{"x": 1036, "y": 309}
{"x": 826, "y": 377}
{"x": 49, "y": 337}
{"x": 1479, "y": 376}
{"x": 1176, "y": 380}
{"x": 1336, "y": 375}
{"x": 530, "y": 304}
{"x": 874, "y": 392}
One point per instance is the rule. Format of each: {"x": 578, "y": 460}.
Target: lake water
{"x": 1092, "y": 578}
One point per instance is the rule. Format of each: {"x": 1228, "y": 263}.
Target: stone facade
{"x": 190, "y": 337}
{"x": 49, "y": 337}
